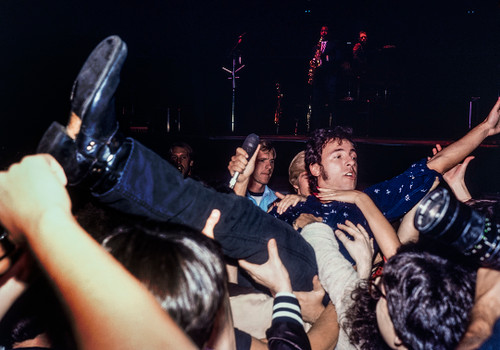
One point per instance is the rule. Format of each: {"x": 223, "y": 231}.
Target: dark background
{"x": 446, "y": 52}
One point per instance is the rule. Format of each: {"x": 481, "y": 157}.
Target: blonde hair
{"x": 297, "y": 166}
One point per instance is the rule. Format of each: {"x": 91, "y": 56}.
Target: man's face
{"x": 324, "y": 32}
{"x": 303, "y": 184}
{"x": 264, "y": 167}
{"x": 180, "y": 158}
{"x": 363, "y": 38}
{"x": 385, "y": 325}
{"x": 339, "y": 166}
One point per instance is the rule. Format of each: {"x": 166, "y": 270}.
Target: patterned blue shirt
{"x": 394, "y": 198}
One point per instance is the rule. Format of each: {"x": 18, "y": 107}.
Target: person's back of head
{"x": 37, "y": 317}
{"x": 429, "y": 298}
{"x": 297, "y": 167}
{"x": 429, "y": 294}
{"x": 182, "y": 268}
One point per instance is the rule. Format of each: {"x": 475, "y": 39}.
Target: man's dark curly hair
{"x": 315, "y": 145}
{"x": 429, "y": 298}
{"x": 360, "y": 320}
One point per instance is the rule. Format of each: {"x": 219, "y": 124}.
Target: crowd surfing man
{"x": 91, "y": 148}
{"x": 332, "y": 165}
{"x": 127, "y": 176}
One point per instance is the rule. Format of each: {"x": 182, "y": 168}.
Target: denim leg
{"x": 153, "y": 188}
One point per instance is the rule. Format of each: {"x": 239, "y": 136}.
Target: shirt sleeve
{"x": 287, "y": 328}
{"x": 395, "y": 197}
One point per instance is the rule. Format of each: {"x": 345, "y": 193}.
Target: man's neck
{"x": 256, "y": 187}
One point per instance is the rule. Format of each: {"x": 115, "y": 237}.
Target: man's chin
{"x": 350, "y": 186}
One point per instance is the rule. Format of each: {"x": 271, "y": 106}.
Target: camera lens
{"x": 441, "y": 216}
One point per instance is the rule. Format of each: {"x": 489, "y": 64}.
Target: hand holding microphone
{"x": 239, "y": 161}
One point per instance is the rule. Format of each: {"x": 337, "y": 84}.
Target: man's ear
{"x": 191, "y": 163}
{"x": 315, "y": 169}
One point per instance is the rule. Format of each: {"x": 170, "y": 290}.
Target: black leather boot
{"x": 95, "y": 151}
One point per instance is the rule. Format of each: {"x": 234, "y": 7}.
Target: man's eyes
{"x": 341, "y": 155}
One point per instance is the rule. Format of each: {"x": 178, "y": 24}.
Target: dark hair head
{"x": 38, "y": 311}
{"x": 489, "y": 206}
{"x": 182, "y": 144}
{"x": 180, "y": 266}
{"x": 318, "y": 141}
{"x": 360, "y": 320}
{"x": 429, "y": 298}
{"x": 267, "y": 146}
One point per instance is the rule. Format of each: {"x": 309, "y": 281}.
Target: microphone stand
{"x": 236, "y": 60}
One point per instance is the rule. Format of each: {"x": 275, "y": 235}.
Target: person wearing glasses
{"x": 422, "y": 300}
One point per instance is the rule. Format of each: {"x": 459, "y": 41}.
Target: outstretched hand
{"x": 305, "y": 219}
{"x": 212, "y": 220}
{"x": 360, "y": 249}
{"x": 30, "y": 189}
{"x": 435, "y": 150}
{"x": 455, "y": 177}
{"x": 311, "y": 303}
{"x": 493, "y": 119}
{"x": 287, "y": 201}
{"x": 272, "y": 274}
{"x": 326, "y": 195}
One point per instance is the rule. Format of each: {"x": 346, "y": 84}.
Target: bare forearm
{"x": 382, "y": 230}
{"x": 458, "y": 150}
{"x": 240, "y": 188}
{"x": 96, "y": 287}
{"x": 324, "y": 334}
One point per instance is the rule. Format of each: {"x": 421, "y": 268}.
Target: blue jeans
{"x": 151, "y": 187}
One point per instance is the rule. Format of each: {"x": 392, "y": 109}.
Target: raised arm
{"x": 455, "y": 177}
{"x": 287, "y": 330}
{"x": 35, "y": 207}
{"x": 458, "y": 150}
{"x": 240, "y": 163}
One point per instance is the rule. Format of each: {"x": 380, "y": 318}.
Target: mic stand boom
{"x": 236, "y": 60}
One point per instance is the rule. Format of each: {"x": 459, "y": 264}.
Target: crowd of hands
{"x": 35, "y": 210}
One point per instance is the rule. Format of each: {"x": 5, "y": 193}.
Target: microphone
{"x": 249, "y": 145}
